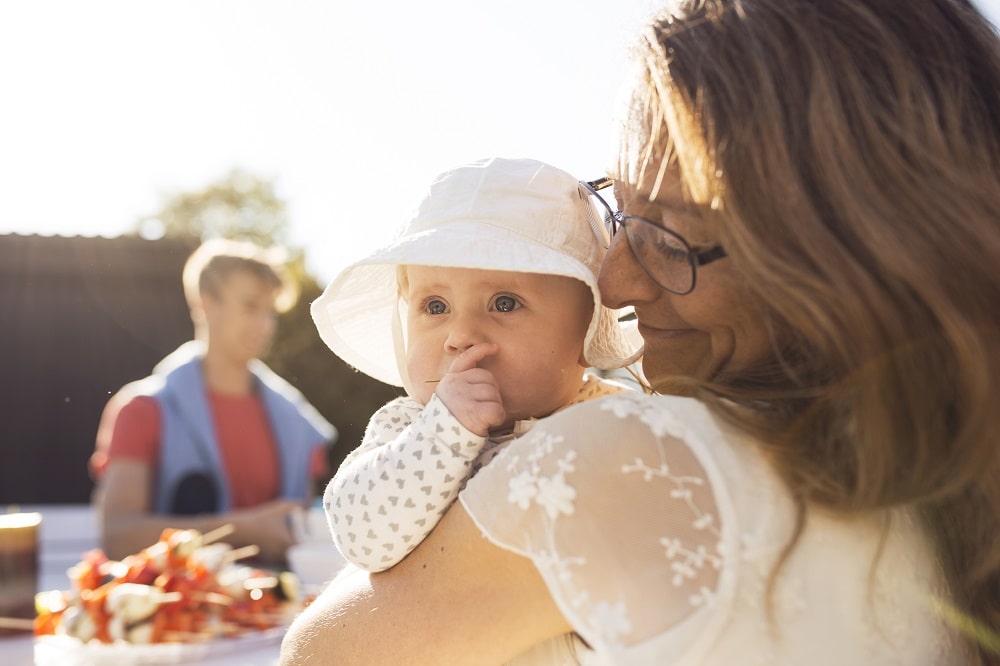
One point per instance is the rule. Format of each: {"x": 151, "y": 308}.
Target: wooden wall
{"x": 79, "y": 317}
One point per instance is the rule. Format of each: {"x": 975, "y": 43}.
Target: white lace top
{"x": 656, "y": 530}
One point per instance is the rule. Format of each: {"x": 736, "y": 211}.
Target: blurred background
{"x": 348, "y": 108}
{"x": 132, "y": 130}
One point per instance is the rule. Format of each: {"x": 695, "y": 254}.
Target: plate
{"x": 67, "y": 651}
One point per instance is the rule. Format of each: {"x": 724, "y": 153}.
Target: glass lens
{"x": 665, "y": 256}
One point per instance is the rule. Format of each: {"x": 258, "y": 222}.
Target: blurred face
{"x": 714, "y": 328}
{"x": 241, "y": 317}
{"x": 538, "y": 322}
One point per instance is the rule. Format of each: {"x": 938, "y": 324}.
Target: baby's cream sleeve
{"x": 391, "y": 492}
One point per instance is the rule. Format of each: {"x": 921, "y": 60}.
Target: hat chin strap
{"x": 399, "y": 349}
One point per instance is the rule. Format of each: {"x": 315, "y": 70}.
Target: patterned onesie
{"x": 391, "y": 491}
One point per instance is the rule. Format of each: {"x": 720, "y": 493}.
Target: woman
{"x": 823, "y": 486}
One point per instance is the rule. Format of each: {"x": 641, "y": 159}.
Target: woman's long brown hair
{"x": 849, "y": 153}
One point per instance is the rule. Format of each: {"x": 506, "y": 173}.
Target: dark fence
{"x": 81, "y": 317}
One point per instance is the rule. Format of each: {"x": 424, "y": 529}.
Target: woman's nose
{"x": 622, "y": 281}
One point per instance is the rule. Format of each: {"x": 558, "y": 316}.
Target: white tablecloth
{"x": 68, "y": 531}
{"x": 21, "y": 651}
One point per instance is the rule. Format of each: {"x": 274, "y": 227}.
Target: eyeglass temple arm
{"x": 601, "y": 183}
{"x": 709, "y": 255}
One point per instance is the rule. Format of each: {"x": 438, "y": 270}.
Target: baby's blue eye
{"x": 435, "y": 307}
{"x": 505, "y": 303}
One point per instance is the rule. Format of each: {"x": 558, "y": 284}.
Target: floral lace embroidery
{"x": 686, "y": 562}
{"x": 612, "y": 619}
{"x": 542, "y": 476}
{"x": 552, "y": 493}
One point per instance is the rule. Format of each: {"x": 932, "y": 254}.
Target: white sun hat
{"x": 517, "y": 215}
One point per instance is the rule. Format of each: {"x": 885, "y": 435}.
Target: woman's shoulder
{"x": 659, "y": 413}
{"x": 661, "y": 440}
{"x": 636, "y": 420}
{"x": 626, "y": 482}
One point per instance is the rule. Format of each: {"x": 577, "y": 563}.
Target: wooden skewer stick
{"x": 16, "y": 623}
{"x": 217, "y": 533}
{"x": 240, "y": 553}
{"x": 187, "y": 636}
{"x": 211, "y": 598}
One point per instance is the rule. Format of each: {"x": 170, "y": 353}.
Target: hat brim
{"x": 354, "y": 315}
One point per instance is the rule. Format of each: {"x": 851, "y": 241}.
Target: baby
{"x": 495, "y": 277}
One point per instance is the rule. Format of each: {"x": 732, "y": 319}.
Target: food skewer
{"x": 186, "y": 587}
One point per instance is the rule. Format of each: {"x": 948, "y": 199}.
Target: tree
{"x": 244, "y": 206}
{"x": 240, "y": 206}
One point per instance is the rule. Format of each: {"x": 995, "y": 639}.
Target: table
{"x": 67, "y": 531}
{"x": 21, "y": 651}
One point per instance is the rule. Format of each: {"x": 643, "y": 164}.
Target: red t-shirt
{"x": 247, "y": 448}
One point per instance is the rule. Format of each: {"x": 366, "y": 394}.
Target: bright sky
{"x": 110, "y": 106}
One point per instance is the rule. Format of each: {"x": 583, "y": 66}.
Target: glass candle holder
{"x": 18, "y": 566}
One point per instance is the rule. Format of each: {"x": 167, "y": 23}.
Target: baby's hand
{"x": 471, "y": 393}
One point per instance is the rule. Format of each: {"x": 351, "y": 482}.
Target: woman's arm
{"x": 457, "y": 599}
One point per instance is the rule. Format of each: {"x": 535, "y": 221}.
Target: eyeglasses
{"x": 664, "y": 254}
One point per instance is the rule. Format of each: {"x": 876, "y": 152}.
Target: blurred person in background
{"x": 213, "y": 437}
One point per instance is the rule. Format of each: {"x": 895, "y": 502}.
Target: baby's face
{"x": 538, "y": 322}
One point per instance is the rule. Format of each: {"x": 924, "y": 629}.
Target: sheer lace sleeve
{"x": 621, "y": 507}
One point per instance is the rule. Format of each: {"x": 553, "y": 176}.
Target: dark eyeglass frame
{"x": 616, "y": 220}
